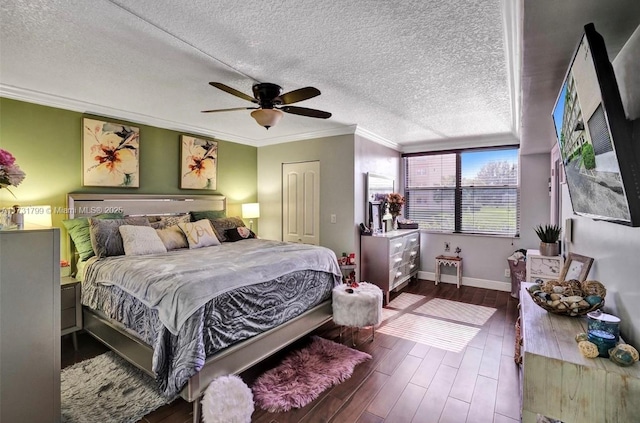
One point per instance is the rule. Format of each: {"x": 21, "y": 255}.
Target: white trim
{"x": 466, "y": 281}
{"x": 490, "y": 140}
{"x": 50, "y": 100}
{"x": 376, "y": 138}
{"x": 512, "y": 24}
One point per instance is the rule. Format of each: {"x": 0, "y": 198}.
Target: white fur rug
{"x": 107, "y": 389}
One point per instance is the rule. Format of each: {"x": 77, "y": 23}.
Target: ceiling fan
{"x": 271, "y": 102}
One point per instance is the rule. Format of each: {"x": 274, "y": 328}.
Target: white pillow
{"x": 140, "y": 240}
{"x": 199, "y": 234}
{"x": 172, "y": 238}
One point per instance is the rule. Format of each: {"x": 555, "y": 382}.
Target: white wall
{"x": 336, "y": 156}
{"x": 616, "y": 252}
{"x": 485, "y": 257}
{"x": 374, "y": 158}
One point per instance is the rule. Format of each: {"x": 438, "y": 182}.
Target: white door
{"x": 301, "y": 202}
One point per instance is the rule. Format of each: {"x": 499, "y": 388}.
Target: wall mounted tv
{"x": 595, "y": 138}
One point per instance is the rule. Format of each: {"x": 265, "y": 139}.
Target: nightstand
{"x": 70, "y": 308}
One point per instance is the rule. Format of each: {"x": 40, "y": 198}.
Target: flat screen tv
{"x": 595, "y": 138}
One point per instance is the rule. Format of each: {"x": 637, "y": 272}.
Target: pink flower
{"x": 6, "y": 158}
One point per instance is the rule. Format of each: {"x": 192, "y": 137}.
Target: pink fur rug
{"x": 304, "y": 374}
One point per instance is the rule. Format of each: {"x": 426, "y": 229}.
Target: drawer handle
{"x": 398, "y": 260}
{"x": 398, "y": 274}
{"x": 412, "y": 266}
{"x": 398, "y": 245}
{"x": 413, "y": 253}
{"x": 414, "y": 239}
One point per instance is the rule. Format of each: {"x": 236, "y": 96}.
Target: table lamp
{"x": 251, "y": 211}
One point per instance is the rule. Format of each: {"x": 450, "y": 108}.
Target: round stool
{"x": 357, "y": 307}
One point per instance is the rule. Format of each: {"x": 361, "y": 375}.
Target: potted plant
{"x": 549, "y": 236}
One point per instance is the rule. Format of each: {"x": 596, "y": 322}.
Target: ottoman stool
{"x": 357, "y": 307}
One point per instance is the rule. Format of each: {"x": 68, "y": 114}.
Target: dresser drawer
{"x": 68, "y": 297}
{"x": 396, "y": 246}
{"x": 68, "y": 318}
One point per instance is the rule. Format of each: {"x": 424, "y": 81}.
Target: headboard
{"x": 82, "y": 204}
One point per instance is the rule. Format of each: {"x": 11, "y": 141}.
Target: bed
{"x": 188, "y": 316}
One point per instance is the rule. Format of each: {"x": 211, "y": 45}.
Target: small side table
{"x": 449, "y": 261}
{"x": 359, "y": 307}
{"x": 70, "y": 308}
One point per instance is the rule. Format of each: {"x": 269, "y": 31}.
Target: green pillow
{"x": 207, "y": 214}
{"x": 78, "y": 230}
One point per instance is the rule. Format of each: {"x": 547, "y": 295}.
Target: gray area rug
{"x": 107, "y": 389}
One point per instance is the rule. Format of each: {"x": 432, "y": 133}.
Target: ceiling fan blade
{"x": 229, "y": 110}
{"x": 303, "y": 111}
{"x": 299, "y": 95}
{"x": 232, "y": 91}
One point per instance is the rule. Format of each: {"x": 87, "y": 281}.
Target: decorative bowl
{"x": 568, "y": 298}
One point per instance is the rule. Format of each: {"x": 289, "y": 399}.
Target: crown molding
{"x": 512, "y": 24}
{"x": 360, "y": 131}
{"x": 59, "y": 102}
{"x": 489, "y": 140}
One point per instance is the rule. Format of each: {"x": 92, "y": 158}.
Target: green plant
{"x": 588, "y": 156}
{"x": 548, "y": 233}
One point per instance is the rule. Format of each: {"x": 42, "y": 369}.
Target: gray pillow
{"x": 105, "y": 235}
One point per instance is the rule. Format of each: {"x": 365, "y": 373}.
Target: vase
{"x": 549, "y": 249}
{"x": 394, "y": 223}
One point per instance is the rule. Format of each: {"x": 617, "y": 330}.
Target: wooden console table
{"x": 449, "y": 261}
{"x": 558, "y": 382}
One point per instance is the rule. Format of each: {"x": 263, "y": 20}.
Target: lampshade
{"x": 38, "y": 216}
{"x": 250, "y": 210}
{"x": 267, "y": 117}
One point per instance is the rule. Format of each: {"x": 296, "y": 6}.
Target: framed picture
{"x": 110, "y": 154}
{"x": 576, "y": 267}
{"x": 199, "y": 163}
{"x": 374, "y": 213}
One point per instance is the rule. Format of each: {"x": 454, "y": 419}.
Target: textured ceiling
{"x": 409, "y": 73}
{"x": 414, "y": 74}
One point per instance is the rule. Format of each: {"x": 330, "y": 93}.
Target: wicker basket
{"x": 546, "y": 296}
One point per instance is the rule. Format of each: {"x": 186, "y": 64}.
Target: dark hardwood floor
{"x": 411, "y": 377}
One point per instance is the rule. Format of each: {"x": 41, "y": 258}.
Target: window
{"x": 466, "y": 191}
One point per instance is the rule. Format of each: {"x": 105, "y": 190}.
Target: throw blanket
{"x": 179, "y": 282}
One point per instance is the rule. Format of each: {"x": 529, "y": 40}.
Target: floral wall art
{"x": 199, "y": 163}
{"x": 110, "y": 154}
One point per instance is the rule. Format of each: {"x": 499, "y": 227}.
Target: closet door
{"x": 301, "y": 202}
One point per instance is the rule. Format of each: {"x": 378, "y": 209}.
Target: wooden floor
{"x": 406, "y": 380}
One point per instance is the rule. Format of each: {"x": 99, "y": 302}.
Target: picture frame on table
{"x": 576, "y": 267}
{"x": 376, "y": 219}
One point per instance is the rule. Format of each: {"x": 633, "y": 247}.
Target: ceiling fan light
{"x": 267, "y": 117}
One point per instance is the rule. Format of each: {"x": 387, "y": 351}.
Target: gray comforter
{"x": 180, "y": 282}
{"x": 229, "y": 317}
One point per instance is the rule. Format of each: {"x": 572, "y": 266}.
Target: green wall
{"x": 47, "y": 145}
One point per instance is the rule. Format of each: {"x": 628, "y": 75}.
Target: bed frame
{"x": 232, "y": 360}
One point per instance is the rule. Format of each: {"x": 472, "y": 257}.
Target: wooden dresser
{"x": 390, "y": 259}
{"x": 558, "y": 382}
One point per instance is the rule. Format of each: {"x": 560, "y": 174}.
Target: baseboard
{"x": 478, "y": 283}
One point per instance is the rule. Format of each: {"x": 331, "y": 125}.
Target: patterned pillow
{"x": 140, "y": 240}
{"x": 105, "y": 236}
{"x": 172, "y": 238}
{"x": 238, "y": 234}
{"x": 78, "y": 230}
{"x": 199, "y": 234}
{"x": 221, "y": 225}
{"x": 167, "y": 221}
